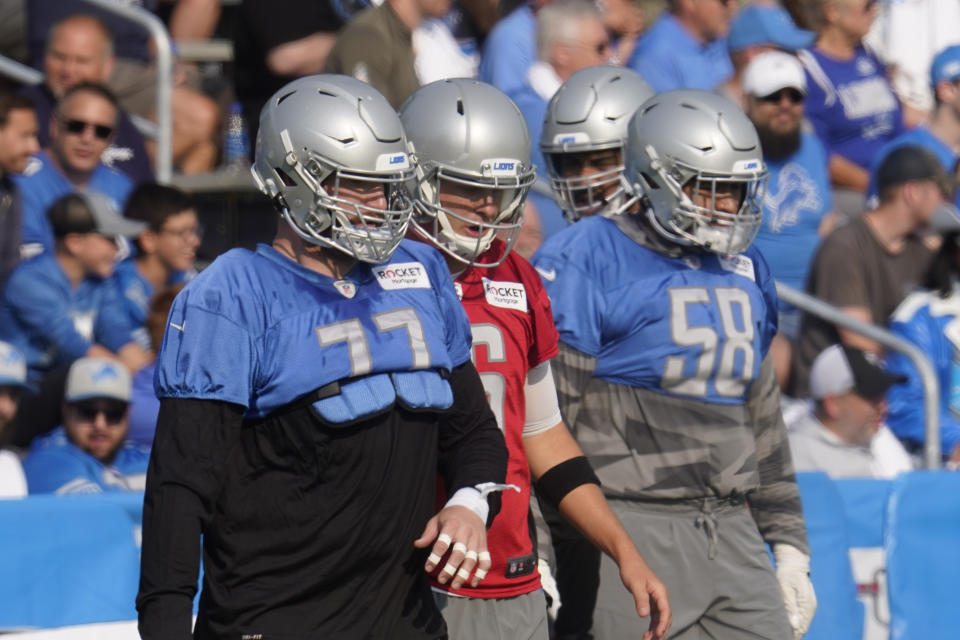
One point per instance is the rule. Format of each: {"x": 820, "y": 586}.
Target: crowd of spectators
{"x": 860, "y": 136}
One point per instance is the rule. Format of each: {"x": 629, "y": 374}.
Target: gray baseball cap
{"x": 97, "y": 378}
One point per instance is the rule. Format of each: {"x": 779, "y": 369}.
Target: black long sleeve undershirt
{"x": 192, "y": 443}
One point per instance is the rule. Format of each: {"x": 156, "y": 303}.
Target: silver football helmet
{"x": 589, "y": 113}
{"x": 320, "y": 133}
{"x": 470, "y": 135}
{"x": 688, "y": 151}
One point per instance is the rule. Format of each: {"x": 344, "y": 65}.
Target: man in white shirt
{"x": 13, "y": 379}
{"x": 844, "y": 434}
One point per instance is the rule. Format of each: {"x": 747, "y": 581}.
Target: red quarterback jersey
{"x": 513, "y": 331}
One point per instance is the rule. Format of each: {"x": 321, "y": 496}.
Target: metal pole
{"x": 931, "y": 387}
{"x": 161, "y": 39}
{"x": 20, "y": 72}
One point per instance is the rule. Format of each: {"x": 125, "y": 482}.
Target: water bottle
{"x": 236, "y": 143}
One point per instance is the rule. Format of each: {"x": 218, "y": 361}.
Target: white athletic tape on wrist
{"x": 470, "y": 555}
{"x": 475, "y": 498}
{"x": 463, "y": 574}
{"x": 445, "y": 538}
{"x": 459, "y": 546}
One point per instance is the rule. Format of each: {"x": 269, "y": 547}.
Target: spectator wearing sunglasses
{"x": 89, "y": 453}
{"x": 166, "y": 249}
{"x": 81, "y": 128}
{"x": 797, "y": 202}
{"x": 62, "y": 306}
{"x": 80, "y": 49}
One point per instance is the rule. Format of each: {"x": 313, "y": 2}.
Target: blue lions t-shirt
{"x": 798, "y": 196}
{"x": 56, "y": 465}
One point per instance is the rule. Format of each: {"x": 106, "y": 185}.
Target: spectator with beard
{"x": 797, "y": 203}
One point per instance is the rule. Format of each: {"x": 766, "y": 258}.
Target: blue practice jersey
{"x": 697, "y": 325}
{"x": 53, "y": 323}
{"x": 262, "y": 331}
{"x": 41, "y": 184}
{"x": 931, "y": 323}
{"x": 55, "y": 465}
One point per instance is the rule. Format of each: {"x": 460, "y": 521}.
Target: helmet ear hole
{"x": 650, "y": 183}
{"x": 284, "y": 177}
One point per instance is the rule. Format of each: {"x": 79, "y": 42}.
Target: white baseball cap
{"x": 97, "y": 378}
{"x": 13, "y": 366}
{"x": 772, "y": 71}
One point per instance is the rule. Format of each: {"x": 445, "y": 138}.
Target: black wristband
{"x": 563, "y": 478}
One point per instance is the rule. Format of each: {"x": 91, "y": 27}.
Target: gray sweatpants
{"x": 714, "y": 564}
{"x": 517, "y": 618}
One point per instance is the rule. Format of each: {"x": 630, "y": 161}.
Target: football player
{"x": 584, "y": 130}
{"x": 309, "y": 392}
{"x": 471, "y": 148}
{"x": 665, "y": 316}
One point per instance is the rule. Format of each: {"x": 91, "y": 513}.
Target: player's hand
{"x": 793, "y": 574}
{"x": 650, "y": 596}
{"x": 461, "y": 532}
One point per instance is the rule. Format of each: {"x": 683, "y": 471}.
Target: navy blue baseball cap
{"x": 758, "y": 24}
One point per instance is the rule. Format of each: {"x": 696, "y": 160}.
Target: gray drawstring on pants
{"x": 708, "y": 522}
